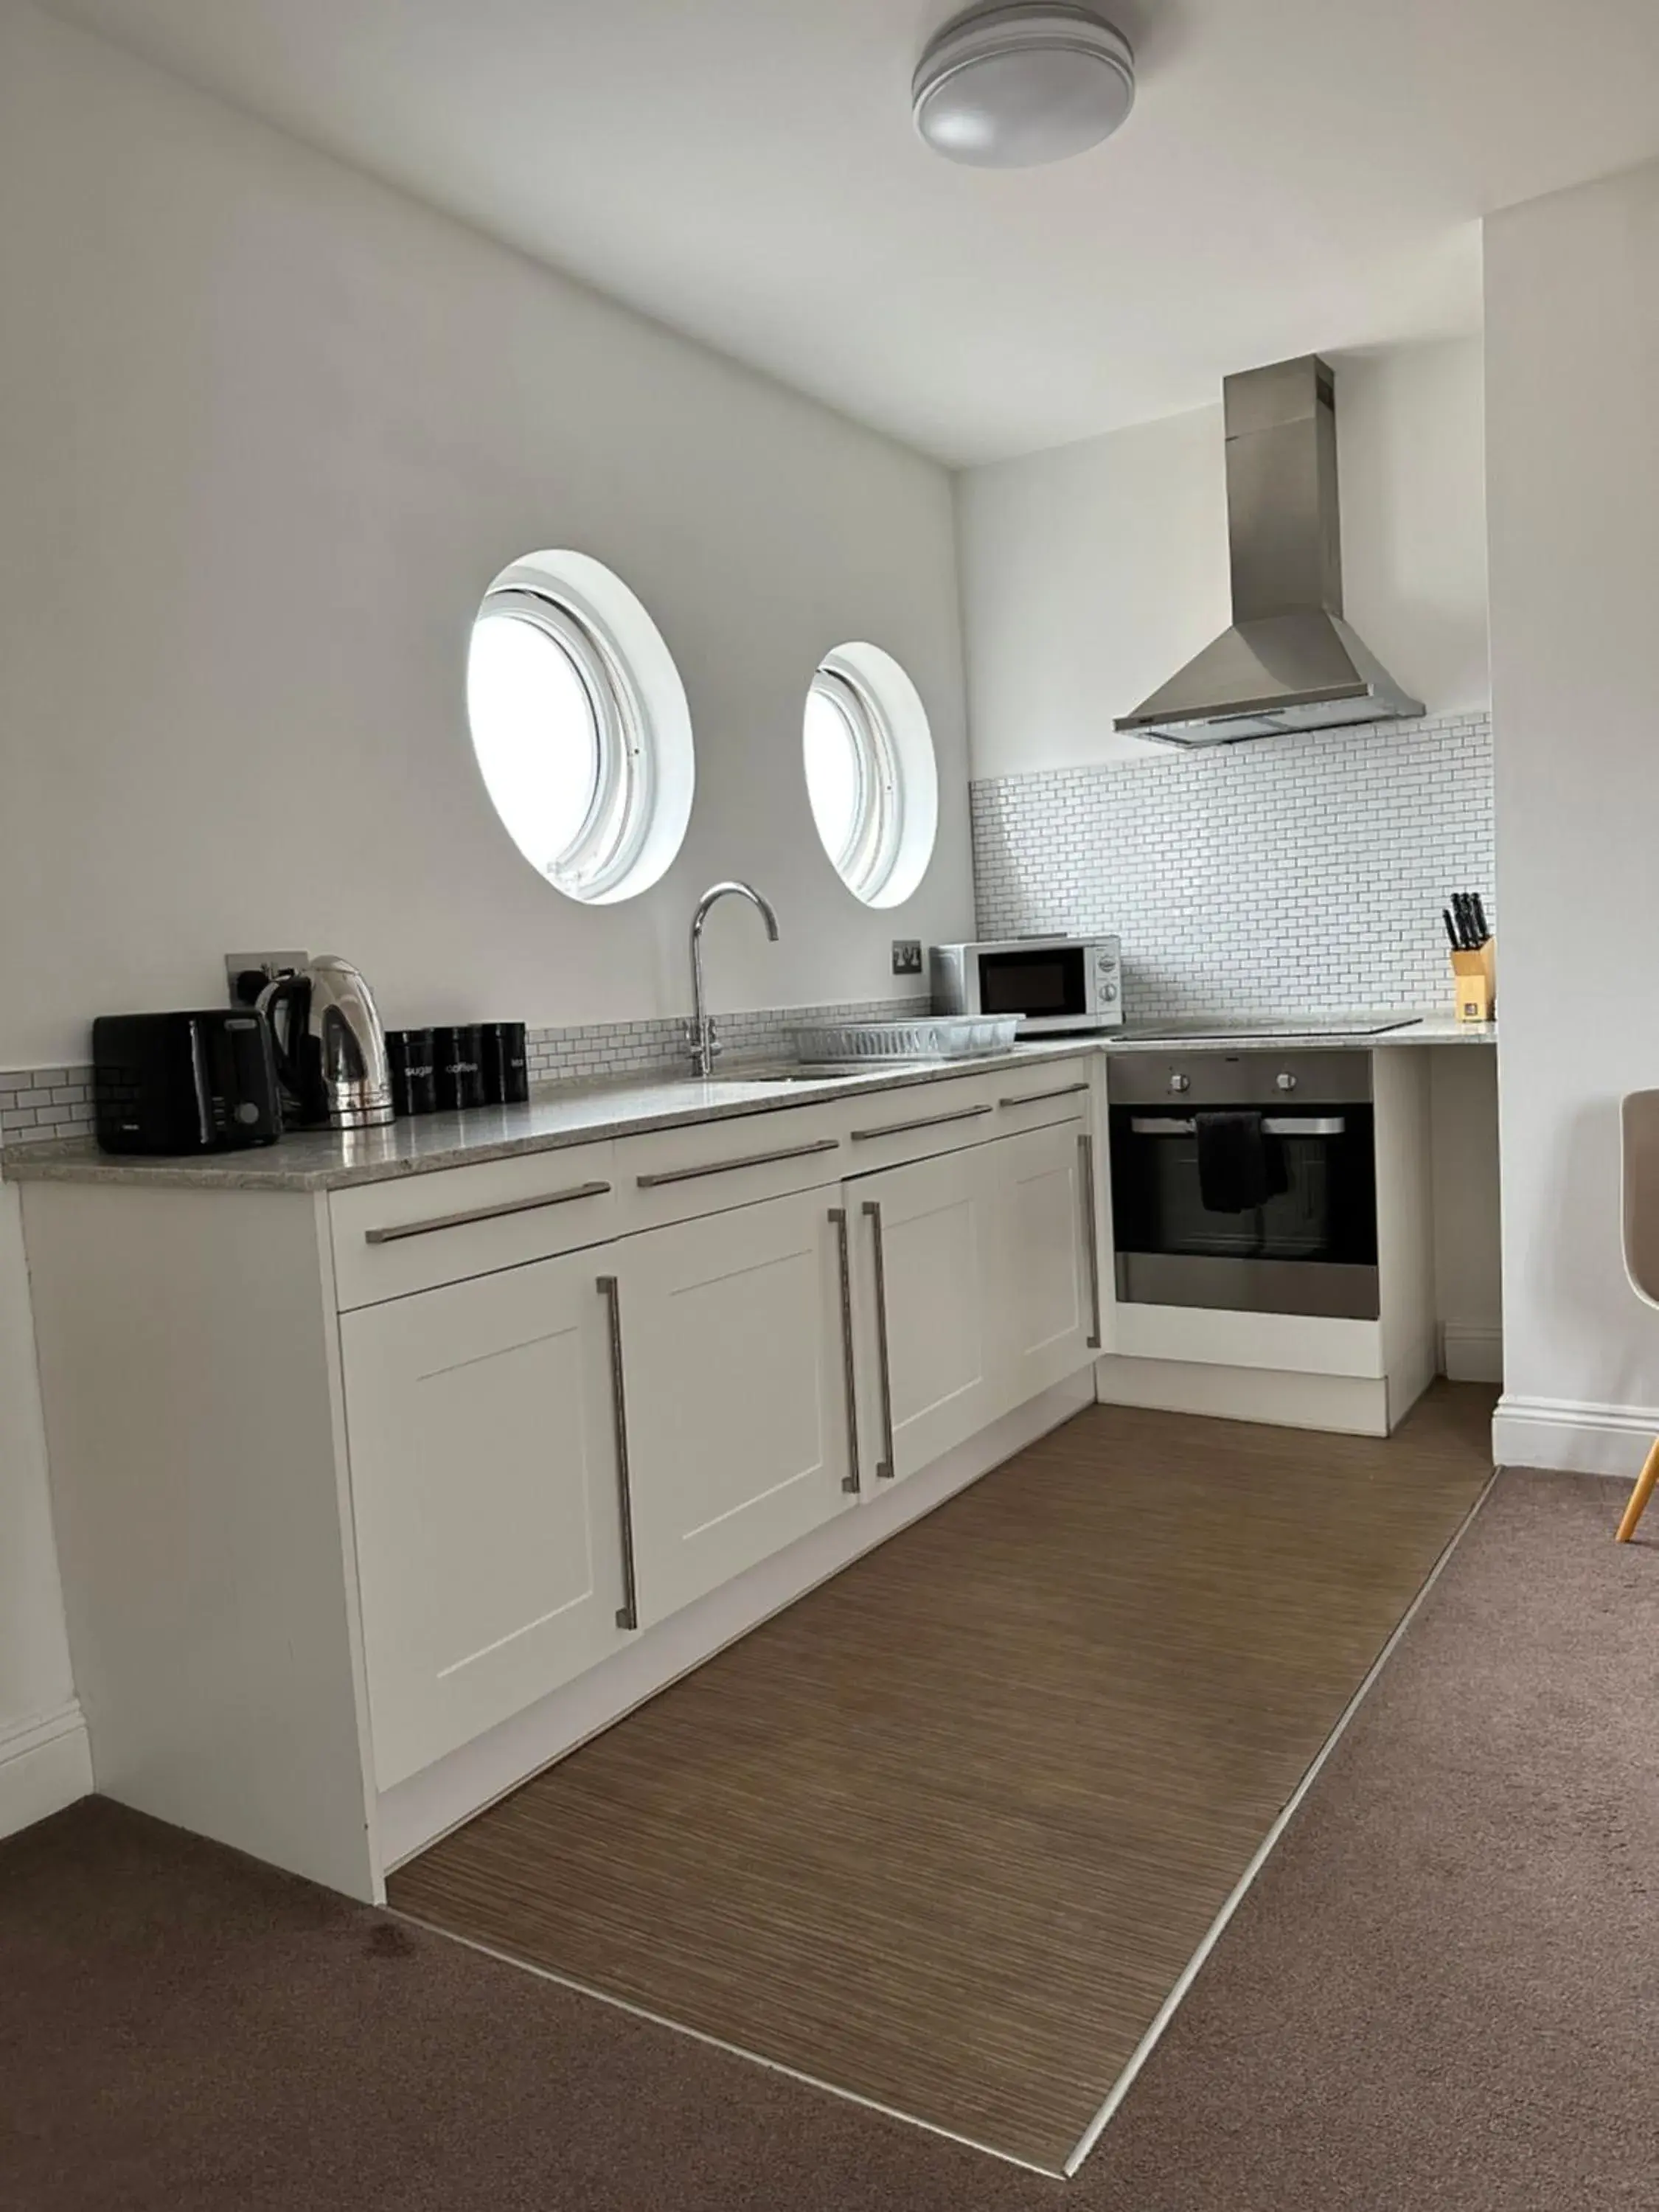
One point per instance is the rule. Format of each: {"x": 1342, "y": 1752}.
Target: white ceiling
{"x": 1297, "y": 173}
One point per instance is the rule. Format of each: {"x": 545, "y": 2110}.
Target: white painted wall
{"x": 270, "y": 428}
{"x": 1090, "y": 573}
{"x": 1572, "y": 467}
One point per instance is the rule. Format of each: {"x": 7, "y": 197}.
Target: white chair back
{"x": 1639, "y": 1155}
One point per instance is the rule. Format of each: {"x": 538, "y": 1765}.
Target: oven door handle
{"x": 1273, "y": 1124}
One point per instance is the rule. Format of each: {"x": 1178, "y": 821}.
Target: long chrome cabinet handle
{"x": 729, "y": 1167}
{"x": 931, "y": 1122}
{"x": 885, "y": 1468}
{"x": 396, "y": 1234}
{"x": 850, "y": 1481}
{"x": 1041, "y": 1097}
{"x": 1086, "y": 1145}
{"x": 1273, "y": 1124}
{"x": 627, "y": 1613}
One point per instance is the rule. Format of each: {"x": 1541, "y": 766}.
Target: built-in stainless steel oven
{"x": 1245, "y": 1181}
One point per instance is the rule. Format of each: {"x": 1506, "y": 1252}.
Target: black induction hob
{"x": 1219, "y": 1030}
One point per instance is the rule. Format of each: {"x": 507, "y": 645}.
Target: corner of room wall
{"x": 1572, "y": 364}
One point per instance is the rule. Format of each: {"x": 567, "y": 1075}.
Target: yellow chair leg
{"x": 1640, "y": 1495}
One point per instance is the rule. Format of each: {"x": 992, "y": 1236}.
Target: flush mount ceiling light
{"x": 1023, "y": 82}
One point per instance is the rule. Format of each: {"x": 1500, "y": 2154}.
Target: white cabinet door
{"x": 484, "y": 1490}
{"x": 736, "y": 1392}
{"x": 927, "y": 1236}
{"x": 1047, "y": 1284}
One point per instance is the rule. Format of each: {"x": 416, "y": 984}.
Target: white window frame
{"x": 866, "y": 861}
{"x": 607, "y": 845}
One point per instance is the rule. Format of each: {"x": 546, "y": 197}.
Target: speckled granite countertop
{"x": 563, "y": 1114}
{"x": 558, "y": 1115}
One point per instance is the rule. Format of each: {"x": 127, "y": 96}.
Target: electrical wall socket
{"x": 271, "y": 967}
{"x": 907, "y": 956}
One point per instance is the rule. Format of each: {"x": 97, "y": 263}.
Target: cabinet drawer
{"x": 918, "y": 1123}
{"x": 390, "y": 1238}
{"x": 1035, "y": 1098}
{"x": 679, "y": 1175}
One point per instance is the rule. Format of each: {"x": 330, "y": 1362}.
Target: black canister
{"x": 506, "y": 1066}
{"x": 413, "y": 1078}
{"x": 455, "y": 1065}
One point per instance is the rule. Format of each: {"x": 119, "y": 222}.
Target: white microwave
{"x": 1053, "y": 983}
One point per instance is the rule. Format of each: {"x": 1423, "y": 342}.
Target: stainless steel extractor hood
{"x": 1289, "y": 661}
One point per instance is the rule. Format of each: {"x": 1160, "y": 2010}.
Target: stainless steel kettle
{"x": 331, "y": 1047}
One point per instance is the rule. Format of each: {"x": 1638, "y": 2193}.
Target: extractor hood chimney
{"x": 1289, "y": 661}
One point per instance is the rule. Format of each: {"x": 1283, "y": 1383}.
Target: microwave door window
{"x": 1041, "y": 984}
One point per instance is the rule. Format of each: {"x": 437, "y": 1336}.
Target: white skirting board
{"x": 44, "y": 1765}
{"x": 1571, "y": 1434}
{"x": 1472, "y": 1352}
{"x": 416, "y": 1813}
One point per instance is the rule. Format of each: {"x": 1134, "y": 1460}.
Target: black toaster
{"x": 185, "y": 1082}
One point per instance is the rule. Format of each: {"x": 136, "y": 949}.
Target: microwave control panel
{"x": 1108, "y": 979}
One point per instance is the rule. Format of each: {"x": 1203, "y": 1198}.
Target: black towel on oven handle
{"x": 1237, "y": 1166}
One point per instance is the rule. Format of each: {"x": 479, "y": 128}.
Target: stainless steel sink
{"x": 795, "y": 1071}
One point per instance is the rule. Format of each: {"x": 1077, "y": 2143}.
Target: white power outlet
{"x": 269, "y": 967}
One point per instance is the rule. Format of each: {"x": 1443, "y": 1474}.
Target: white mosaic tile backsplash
{"x": 56, "y": 1102}
{"x": 608, "y": 1049}
{"x": 44, "y": 1102}
{"x": 1294, "y": 875}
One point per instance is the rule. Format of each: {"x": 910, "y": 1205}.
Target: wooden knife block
{"x": 1475, "y": 977}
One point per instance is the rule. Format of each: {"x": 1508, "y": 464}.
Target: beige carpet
{"x": 945, "y": 1833}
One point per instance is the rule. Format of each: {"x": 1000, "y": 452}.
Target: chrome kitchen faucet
{"x": 705, "y": 1045}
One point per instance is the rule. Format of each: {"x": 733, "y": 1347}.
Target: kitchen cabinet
{"x": 405, "y": 1457}
{"x": 932, "y": 1233}
{"x": 511, "y": 1534}
{"x": 983, "y": 1284}
{"x": 733, "y": 1365}
{"x": 484, "y": 1486}
{"x": 1048, "y": 1282}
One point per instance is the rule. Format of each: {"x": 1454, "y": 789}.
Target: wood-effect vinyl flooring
{"x": 946, "y": 1832}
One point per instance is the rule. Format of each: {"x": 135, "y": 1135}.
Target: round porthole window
{"x": 581, "y": 726}
{"x": 871, "y": 775}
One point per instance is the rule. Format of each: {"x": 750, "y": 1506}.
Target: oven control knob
{"x": 1285, "y": 1082}
{"x": 1180, "y": 1083}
